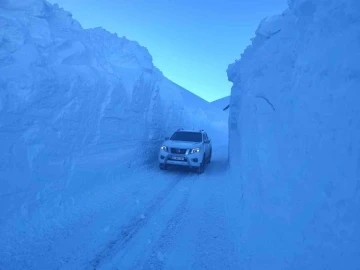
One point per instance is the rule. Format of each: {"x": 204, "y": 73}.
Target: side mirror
{"x": 208, "y": 141}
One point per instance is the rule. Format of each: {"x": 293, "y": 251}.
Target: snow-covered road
{"x": 182, "y": 227}
{"x": 149, "y": 220}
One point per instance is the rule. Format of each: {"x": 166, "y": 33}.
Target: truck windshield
{"x": 187, "y": 136}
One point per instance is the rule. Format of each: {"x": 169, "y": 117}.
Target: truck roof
{"x": 190, "y": 130}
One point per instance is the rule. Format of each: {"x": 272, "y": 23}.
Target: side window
{"x": 205, "y": 137}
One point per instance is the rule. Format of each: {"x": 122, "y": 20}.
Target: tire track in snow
{"x": 156, "y": 259}
{"x": 215, "y": 248}
{"x": 129, "y": 230}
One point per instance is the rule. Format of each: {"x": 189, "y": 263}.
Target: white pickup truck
{"x": 188, "y": 148}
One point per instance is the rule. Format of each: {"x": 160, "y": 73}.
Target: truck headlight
{"x": 194, "y": 150}
{"x": 164, "y": 148}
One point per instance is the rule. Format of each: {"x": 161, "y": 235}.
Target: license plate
{"x": 178, "y": 158}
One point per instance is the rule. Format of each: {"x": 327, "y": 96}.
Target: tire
{"x": 162, "y": 167}
{"x": 209, "y": 159}
{"x": 201, "y": 168}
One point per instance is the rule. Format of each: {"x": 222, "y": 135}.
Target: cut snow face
{"x": 76, "y": 106}
{"x": 295, "y": 138}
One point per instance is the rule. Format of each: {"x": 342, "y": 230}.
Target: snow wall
{"x": 295, "y": 138}
{"x": 77, "y": 105}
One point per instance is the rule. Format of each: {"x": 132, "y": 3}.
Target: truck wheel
{"x": 201, "y": 168}
{"x": 209, "y": 160}
{"x": 162, "y": 166}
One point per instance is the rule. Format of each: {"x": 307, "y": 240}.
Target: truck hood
{"x": 182, "y": 144}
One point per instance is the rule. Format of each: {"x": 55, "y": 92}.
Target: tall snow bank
{"x": 295, "y": 138}
{"x": 75, "y": 106}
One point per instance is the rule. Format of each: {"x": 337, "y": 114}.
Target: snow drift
{"x": 295, "y": 138}
{"x": 76, "y": 105}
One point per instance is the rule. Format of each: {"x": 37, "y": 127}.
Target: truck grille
{"x": 178, "y": 151}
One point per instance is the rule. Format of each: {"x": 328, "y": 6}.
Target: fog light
{"x": 195, "y": 160}
{"x": 162, "y": 157}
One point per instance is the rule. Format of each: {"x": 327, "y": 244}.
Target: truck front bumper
{"x": 187, "y": 160}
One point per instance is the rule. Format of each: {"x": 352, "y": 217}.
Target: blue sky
{"x": 192, "y": 42}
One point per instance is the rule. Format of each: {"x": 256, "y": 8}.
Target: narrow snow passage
{"x": 185, "y": 228}
{"x": 151, "y": 219}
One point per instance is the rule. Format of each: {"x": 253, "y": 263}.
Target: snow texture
{"x": 76, "y": 106}
{"x": 222, "y": 102}
{"x": 295, "y": 138}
